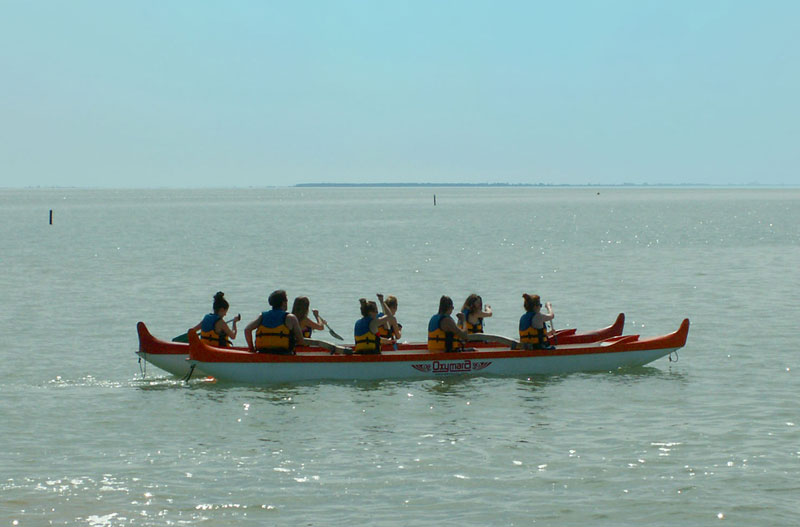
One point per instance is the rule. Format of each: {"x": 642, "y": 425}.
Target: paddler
{"x": 388, "y": 332}
{"x": 443, "y": 332}
{"x": 367, "y": 327}
{"x": 307, "y": 326}
{"x": 474, "y": 312}
{"x": 532, "y": 329}
{"x": 277, "y": 331}
{"x": 213, "y": 327}
{"x": 470, "y": 319}
{"x": 300, "y": 309}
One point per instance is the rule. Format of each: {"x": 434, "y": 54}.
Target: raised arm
{"x": 449, "y": 326}
{"x": 222, "y": 327}
{"x": 319, "y": 325}
{"x": 549, "y": 315}
{"x": 387, "y": 317}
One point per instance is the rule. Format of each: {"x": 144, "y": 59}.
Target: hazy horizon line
{"x": 423, "y": 185}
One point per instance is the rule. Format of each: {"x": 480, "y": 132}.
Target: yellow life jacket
{"x": 366, "y": 340}
{"x": 207, "y": 332}
{"x": 273, "y": 334}
{"x": 528, "y": 335}
{"x": 385, "y": 331}
{"x": 470, "y": 327}
{"x": 438, "y": 339}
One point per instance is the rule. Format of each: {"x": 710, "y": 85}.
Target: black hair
{"x": 277, "y": 298}
{"x": 219, "y": 302}
{"x": 445, "y": 303}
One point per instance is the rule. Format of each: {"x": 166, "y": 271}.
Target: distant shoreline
{"x": 554, "y": 185}
{"x": 441, "y": 185}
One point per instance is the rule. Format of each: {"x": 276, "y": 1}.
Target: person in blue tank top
{"x": 278, "y": 330}
{"x": 213, "y": 327}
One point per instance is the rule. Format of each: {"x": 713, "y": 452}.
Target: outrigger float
{"x": 601, "y": 350}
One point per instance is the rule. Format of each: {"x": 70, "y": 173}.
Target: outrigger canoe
{"x": 609, "y": 354}
{"x": 173, "y": 357}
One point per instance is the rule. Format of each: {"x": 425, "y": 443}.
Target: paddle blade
{"x": 181, "y": 338}
{"x": 333, "y": 333}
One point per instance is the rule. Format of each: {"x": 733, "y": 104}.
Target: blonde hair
{"x": 391, "y": 301}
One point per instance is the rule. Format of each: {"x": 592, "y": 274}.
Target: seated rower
{"x": 277, "y": 331}
{"x": 474, "y": 313}
{"x": 471, "y": 320}
{"x": 366, "y": 328}
{"x": 300, "y": 310}
{"x": 388, "y": 332}
{"x": 443, "y": 333}
{"x": 532, "y": 329}
{"x": 213, "y": 327}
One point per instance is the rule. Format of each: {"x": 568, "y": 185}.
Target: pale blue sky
{"x": 186, "y": 93}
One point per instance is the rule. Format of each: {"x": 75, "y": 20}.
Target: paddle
{"x": 324, "y": 322}
{"x": 554, "y": 338}
{"x": 333, "y": 348}
{"x": 333, "y": 333}
{"x": 185, "y": 336}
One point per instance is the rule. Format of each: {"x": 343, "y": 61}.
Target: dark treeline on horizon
{"x": 421, "y": 185}
{"x": 506, "y": 185}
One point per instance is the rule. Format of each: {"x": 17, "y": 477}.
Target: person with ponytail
{"x": 443, "y": 333}
{"x": 532, "y": 328}
{"x": 213, "y": 327}
{"x": 366, "y": 330}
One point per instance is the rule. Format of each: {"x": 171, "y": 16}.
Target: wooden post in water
{"x": 434, "y": 200}
{"x": 51, "y": 216}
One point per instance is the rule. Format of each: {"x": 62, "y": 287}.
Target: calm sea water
{"x": 712, "y": 439}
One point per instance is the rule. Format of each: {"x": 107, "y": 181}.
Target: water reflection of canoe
{"x": 173, "y": 356}
{"x": 261, "y": 368}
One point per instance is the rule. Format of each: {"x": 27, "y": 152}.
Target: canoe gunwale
{"x": 201, "y": 352}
